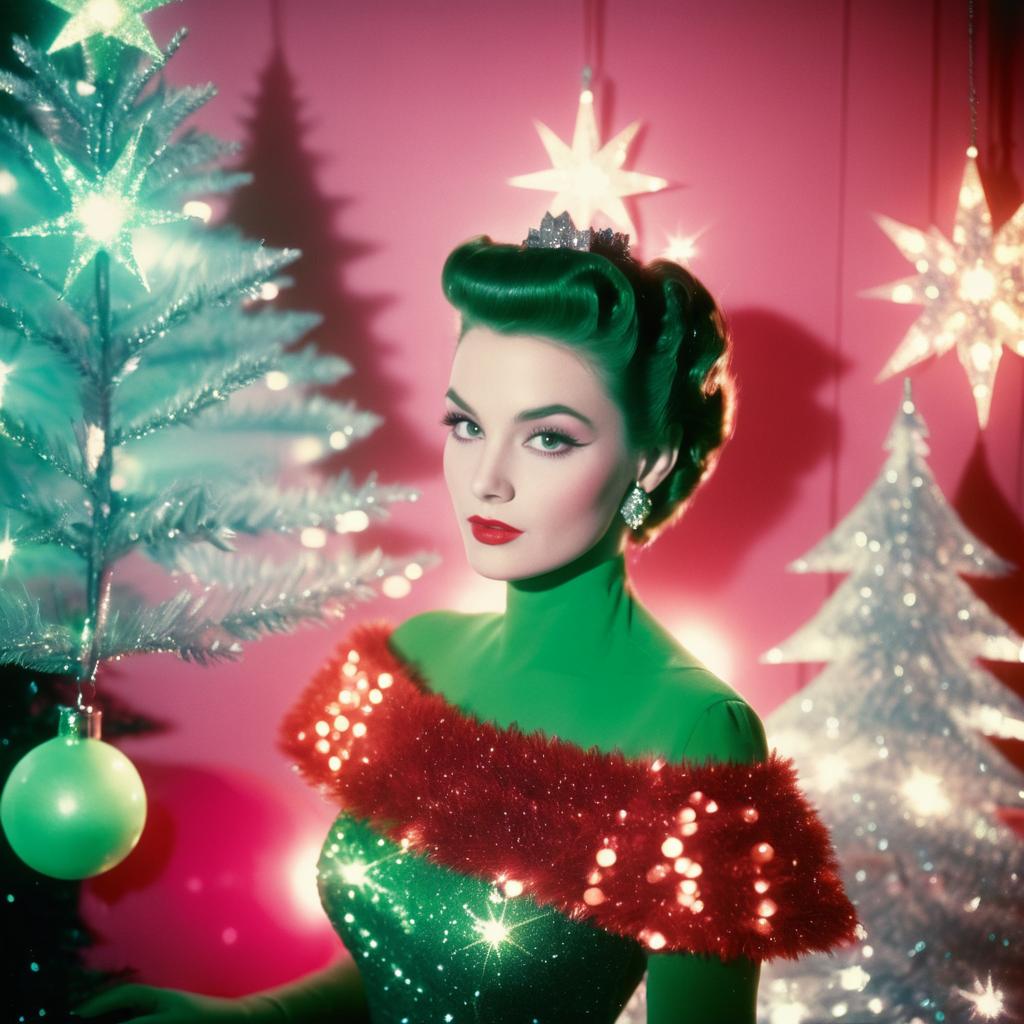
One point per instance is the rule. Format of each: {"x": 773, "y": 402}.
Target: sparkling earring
{"x": 636, "y": 507}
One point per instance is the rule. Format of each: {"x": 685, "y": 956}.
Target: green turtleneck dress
{"x": 574, "y": 655}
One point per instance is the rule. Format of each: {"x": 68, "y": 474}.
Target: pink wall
{"x": 415, "y": 114}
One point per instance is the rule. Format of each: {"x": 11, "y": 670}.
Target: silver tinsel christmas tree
{"x": 890, "y": 742}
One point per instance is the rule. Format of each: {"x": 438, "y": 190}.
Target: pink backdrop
{"x": 411, "y": 116}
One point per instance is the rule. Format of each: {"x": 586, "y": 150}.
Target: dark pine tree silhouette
{"x": 284, "y": 205}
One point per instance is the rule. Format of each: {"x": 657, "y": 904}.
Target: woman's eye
{"x": 466, "y": 429}
{"x": 462, "y": 427}
{"x": 552, "y": 443}
{"x": 548, "y": 442}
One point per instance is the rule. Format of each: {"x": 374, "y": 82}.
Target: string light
{"x": 353, "y": 521}
{"x": 198, "y": 209}
{"x": 925, "y": 794}
{"x": 395, "y": 587}
{"x": 7, "y": 545}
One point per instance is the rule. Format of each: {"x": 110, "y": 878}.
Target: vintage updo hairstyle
{"x": 652, "y": 331}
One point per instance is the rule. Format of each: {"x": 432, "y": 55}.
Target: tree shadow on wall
{"x": 987, "y": 513}
{"x": 284, "y": 206}
{"x": 783, "y": 431}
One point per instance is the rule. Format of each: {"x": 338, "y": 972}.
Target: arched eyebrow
{"x": 527, "y": 414}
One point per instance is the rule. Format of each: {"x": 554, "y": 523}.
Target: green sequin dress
{"x": 577, "y": 656}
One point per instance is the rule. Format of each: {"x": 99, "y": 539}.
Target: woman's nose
{"x": 491, "y": 478}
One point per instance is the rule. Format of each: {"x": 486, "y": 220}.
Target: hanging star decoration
{"x": 587, "y": 177}
{"x": 104, "y": 211}
{"x": 972, "y": 290}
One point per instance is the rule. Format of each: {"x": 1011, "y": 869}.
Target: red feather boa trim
{"x": 719, "y": 858}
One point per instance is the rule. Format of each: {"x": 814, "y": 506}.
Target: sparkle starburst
{"x": 496, "y": 933}
{"x": 104, "y": 211}
{"x": 363, "y": 873}
{"x": 587, "y": 177}
{"x": 986, "y": 1002}
{"x": 972, "y": 290}
{"x": 681, "y": 248}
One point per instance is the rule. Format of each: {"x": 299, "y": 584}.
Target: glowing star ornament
{"x": 587, "y": 177}
{"x": 105, "y": 26}
{"x": 104, "y": 211}
{"x": 972, "y": 290}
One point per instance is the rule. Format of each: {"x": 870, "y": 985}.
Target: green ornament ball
{"x": 74, "y": 806}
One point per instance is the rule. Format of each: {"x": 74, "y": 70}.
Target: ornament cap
{"x": 80, "y": 723}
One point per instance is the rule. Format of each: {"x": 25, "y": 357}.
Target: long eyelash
{"x": 451, "y": 418}
{"x": 562, "y": 436}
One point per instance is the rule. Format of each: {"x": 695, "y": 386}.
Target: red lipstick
{"x": 492, "y": 531}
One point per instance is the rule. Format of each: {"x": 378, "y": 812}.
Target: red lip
{"x": 492, "y": 531}
{"x": 493, "y": 523}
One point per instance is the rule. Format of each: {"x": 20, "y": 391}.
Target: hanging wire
{"x": 972, "y": 94}
{"x": 592, "y": 40}
{"x": 840, "y": 285}
{"x": 933, "y": 128}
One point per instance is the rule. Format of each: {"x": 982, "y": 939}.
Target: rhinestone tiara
{"x": 560, "y": 233}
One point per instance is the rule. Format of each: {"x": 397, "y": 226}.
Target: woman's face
{"x": 537, "y": 445}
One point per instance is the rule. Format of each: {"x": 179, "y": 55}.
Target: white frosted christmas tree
{"x": 890, "y": 742}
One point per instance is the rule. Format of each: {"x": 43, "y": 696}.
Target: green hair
{"x": 652, "y": 332}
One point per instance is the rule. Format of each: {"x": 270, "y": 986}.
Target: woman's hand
{"x": 135, "y": 1004}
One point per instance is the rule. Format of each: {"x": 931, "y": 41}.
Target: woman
{"x": 504, "y": 776}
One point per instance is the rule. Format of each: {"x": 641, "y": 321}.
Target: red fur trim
{"x": 721, "y": 858}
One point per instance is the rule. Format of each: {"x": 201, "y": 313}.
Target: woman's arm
{"x": 692, "y": 988}
{"x": 688, "y": 988}
{"x": 334, "y": 995}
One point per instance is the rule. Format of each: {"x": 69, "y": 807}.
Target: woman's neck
{"x": 576, "y": 616}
